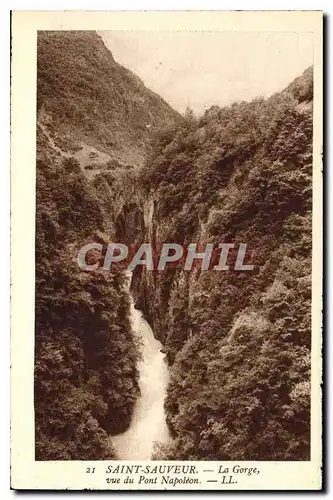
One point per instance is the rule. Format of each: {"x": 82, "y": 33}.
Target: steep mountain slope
{"x": 89, "y": 101}
{"x": 238, "y": 341}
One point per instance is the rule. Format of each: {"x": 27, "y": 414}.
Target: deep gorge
{"x": 237, "y": 344}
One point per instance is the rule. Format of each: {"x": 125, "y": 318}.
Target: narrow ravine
{"x": 148, "y": 422}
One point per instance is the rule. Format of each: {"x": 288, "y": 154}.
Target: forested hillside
{"x": 238, "y": 341}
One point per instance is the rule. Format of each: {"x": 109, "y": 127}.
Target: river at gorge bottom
{"x": 148, "y": 423}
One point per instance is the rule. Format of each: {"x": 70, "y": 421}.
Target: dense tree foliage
{"x": 85, "y": 355}
{"x": 239, "y": 342}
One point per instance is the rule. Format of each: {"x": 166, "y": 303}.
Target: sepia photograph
{"x": 174, "y": 232}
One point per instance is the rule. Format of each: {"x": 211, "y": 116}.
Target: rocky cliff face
{"x": 239, "y": 342}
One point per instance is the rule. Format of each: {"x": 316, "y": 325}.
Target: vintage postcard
{"x": 166, "y": 250}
